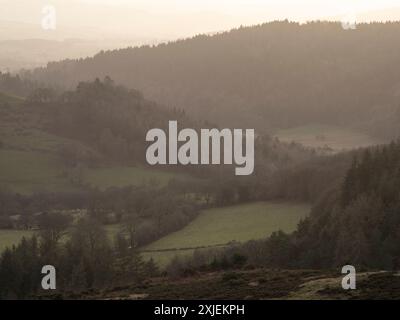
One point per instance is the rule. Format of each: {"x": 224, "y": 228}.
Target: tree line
{"x": 273, "y": 75}
{"x": 355, "y": 222}
{"x": 88, "y": 260}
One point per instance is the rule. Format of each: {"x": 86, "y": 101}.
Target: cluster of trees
{"x": 17, "y": 85}
{"x": 145, "y": 213}
{"x": 87, "y": 260}
{"x": 108, "y": 124}
{"x": 282, "y": 171}
{"x": 109, "y": 118}
{"x": 355, "y": 219}
{"x": 111, "y": 122}
{"x": 277, "y": 74}
{"x": 357, "y": 222}
{"x": 309, "y": 179}
{"x": 27, "y": 205}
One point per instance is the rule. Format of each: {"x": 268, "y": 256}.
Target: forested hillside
{"x": 360, "y": 223}
{"x": 16, "y": 85}
{"x": 73, "y": 171}
{"x": 110, "y": 118}
{"x": 274, "y": 75}
{"x": 51, "y": 142}
{"x": 357, "y": 222}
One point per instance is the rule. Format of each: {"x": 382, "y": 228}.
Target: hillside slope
{"x": 93, "y": 136}
{"x": 277, "y": 74}
{"x": 260, "y": 284}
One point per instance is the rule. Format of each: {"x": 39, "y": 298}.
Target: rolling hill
{"x": 34, "y": 157}
{"x": 249, "y": 77}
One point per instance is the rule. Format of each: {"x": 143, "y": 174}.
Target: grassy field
{"x": 30, "y": 161}
{"x": 28, "y": 172}
{"x": 11, "y": 237}
{"x": 320, "y": 136}
{"x": 11, "y": 100}
{"x": 104, "y": 178}
{"x": 112, "y": 230}
{"x": 222, "y": 225}
{"x": 212, "y": 227}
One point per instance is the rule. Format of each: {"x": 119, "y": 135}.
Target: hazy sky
{"x": 178, "y": 18}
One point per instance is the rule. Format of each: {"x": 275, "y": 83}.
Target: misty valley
{"x": 246, "y": 164}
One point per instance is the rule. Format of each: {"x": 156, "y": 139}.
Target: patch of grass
{"x": 12, "y": 237}
{"x": 30, "y": 161}
{"x": 21, "y": 128}
{"x": 334, "y": 137}
{"x": 112, "y": 230}
{"x": 235, "y": 223}
{"x": 37, "y": 140}
{"x": 28, "y": 172}
{"x": 106, "y": 177}
{"x": 10, "y": 99}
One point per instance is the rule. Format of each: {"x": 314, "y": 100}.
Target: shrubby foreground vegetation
{"x": 88, "y": 260}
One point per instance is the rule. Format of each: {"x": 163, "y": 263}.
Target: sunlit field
{"x": 219, "y": 226}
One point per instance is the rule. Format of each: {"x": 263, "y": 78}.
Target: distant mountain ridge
{"x": 37, "y": 52}
{"x": 274, "y": 75}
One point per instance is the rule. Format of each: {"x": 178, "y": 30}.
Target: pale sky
{"x": 168, "y": 19}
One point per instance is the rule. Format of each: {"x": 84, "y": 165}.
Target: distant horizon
{"x": 98, "y": 25}
{"x": 168, "y": 20}
{"x": 26, "y": 53}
